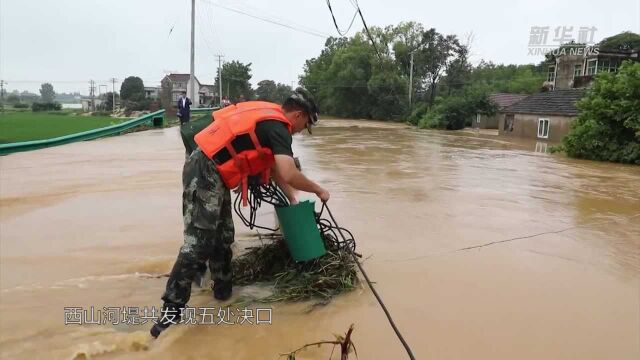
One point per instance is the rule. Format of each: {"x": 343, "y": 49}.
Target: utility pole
{"x": 92, "y": 94}
{"x": 411, "y": 81}
{"x": 220, "y": 76}
{"x": 2, "y": 84}
{"x": 113, "y": 94}
{"x": 192, "y": 77}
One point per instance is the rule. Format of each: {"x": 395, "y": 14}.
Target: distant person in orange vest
{"x": 213, "y": 170}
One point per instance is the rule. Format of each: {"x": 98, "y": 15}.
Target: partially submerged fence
{"x": 155, "y": 119}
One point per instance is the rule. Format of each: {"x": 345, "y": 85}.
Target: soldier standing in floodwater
{"x": 260, "y": 140}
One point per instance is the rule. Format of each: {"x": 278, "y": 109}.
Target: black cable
{"x": 310, "y": 32}
{"x": 256, "y": 195}
{"x": 375, "y": 293}
{"x": 329, "y": 233}
{"x": 270, "y": 193}
{"x": 366, "y": 28}
{"x": 336, "y": 23}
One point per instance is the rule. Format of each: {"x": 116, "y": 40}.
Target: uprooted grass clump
{"x": 319, "y": 279}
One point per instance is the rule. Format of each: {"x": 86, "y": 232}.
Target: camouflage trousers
{"x": 208, "y": 229}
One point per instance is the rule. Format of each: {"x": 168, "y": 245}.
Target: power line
{"x": 205, "y": 36}
{"x": 265, "y": 13}
{"x": 342, "y": 33}
{"x": 271, "y": 21}
{"x": 366, "y": 28}
{"x": 207, "y": 19}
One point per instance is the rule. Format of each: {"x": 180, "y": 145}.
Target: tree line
{"x": 410, "y": 73}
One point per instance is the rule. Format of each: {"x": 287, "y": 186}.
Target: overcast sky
{"x": 69, "y": 42}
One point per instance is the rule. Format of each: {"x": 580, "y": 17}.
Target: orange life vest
{"x": 218, "y": 142}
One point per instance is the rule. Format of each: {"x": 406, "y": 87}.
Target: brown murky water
{"x": 84, "y": 224}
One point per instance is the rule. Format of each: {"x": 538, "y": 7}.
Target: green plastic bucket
{"x": 298, "y": 225}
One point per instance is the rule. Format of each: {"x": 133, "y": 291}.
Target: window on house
{"x": 508, "y": 122}
{"x": 543, "y": 128}
{"x": 551, "y": 75}
{"x": 541, "y": 147}
{"x": 608, "y": 65}
{"x": 591, "y": 66}
{"x": 615, "y": 64}
{"x": 577, "y": 70}
{"x": 603, "y": 65}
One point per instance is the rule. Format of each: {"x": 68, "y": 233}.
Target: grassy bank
{"x": 27, "y": 125}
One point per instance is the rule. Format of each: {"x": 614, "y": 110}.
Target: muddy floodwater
{"x": 94, "y": 223}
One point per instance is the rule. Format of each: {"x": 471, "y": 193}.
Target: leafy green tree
{"x": 47, "y": 95}
{"x": 454, "y": 112}
{"x": 457, "y": 73}
{"x": 434, "y": 54}
{"x": 525, "y": 79}
{"x": 50, "y": 106}
{"x": 132, "y": 94}
{"x": 608, "y": 126}
{"x": 266, "y": 90}
{"x": 132, "y": 89}
{"x": 235, "y": 78}
{"x": 315, "y": 77}
{"x": 388, "y": 88}
{"x": 624, "y": 41}
{"x": 348, "y": 78}
{"x": 283, "y": 91}
{"x": 108, "y": 101}
{"x": 315, "y": 69}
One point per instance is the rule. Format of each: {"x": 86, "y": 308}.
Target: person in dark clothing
{"x": 184, "y": 108}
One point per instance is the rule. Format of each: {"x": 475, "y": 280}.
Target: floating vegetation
{"x": 319, "y": 279}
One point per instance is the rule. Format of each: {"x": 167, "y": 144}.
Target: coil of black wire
{"x": 271, "y": 194}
